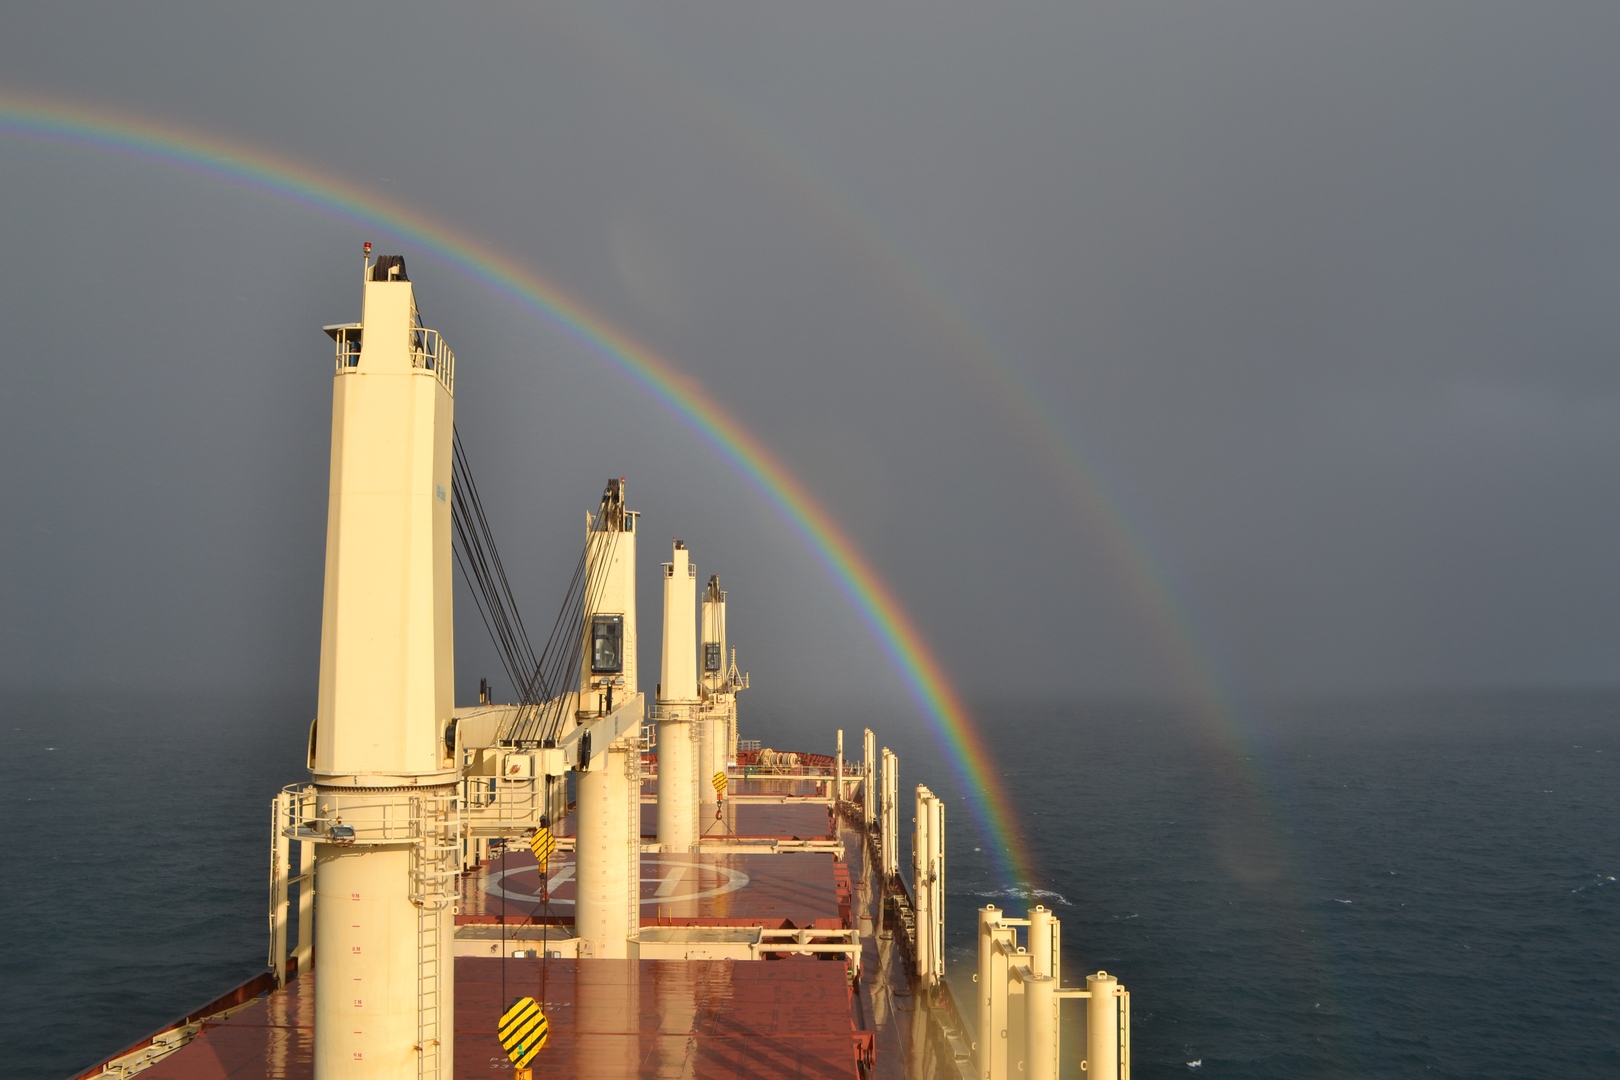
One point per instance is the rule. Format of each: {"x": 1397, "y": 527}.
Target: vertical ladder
{"x": 632, "y": 769}
{"x": 292, "y": 806}
{"x": 280, "y": 857}
{"x": 434, "y": 855}
{"x": 427, "y": 991}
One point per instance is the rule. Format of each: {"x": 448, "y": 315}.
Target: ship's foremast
{"x": 385, "y": 778}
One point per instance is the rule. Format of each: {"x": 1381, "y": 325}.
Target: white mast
{"x": 714, "y": 740}
{"x": 677, "y": 703}
{"x": 607, "y": 917}
{"x": 385, "y": 781}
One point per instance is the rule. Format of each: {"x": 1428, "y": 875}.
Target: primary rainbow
{"x": 104, "y": 130}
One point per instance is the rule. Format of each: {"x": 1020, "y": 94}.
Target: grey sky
{"x": 1324, "y": 295}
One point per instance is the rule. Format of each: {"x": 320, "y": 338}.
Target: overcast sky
{"x": 1136, "y": 345}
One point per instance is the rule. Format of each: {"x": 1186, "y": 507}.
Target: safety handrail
{"x": 429, "y": 352}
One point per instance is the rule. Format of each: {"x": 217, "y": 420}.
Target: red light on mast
{"x": 368, "y": 247}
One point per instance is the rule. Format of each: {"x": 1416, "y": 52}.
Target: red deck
{"x": 789, "y": 1017}
{"x": 609, "y": 1018}
{"x": 714, "y": 890}
{"x": 796, "y": 820}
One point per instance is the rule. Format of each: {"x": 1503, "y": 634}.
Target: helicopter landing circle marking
{"x": 733, "y": 880}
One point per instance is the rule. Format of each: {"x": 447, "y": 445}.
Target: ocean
{"x": 1384, "y": 887}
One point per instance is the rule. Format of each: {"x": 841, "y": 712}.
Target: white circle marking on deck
{"x": 734, "y": 880}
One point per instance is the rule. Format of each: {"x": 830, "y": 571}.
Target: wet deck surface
{"x": 651, "y": 1018}
{"x": 790, "y": 1017}
{"x": 764, "y": 890}
{"x": 767, "y": 890}
{"x": 609, "y": 1018}
{"x": 796, "y": 820}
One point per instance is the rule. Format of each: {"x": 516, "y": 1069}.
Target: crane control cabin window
{"x": 607, "y": 644}
{"x": 711, "y": 656}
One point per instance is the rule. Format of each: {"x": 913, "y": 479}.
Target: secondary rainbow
{"x": 1144, "y": 565}
{"x": 103, "y": 130}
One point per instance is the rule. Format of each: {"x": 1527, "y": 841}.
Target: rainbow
{"x": 1026, "y": 408}
{"x": 99, "y": 129}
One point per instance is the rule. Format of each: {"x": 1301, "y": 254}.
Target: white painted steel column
{"x": 890, "y": 834}
{"x": 1013, "y": 1019}
{"x": 677, "y": 781}
{"x": 384, "y": 987}
{"x": 1102, "y": 1027}
{"x": 989, "y": 920}
{"x": 1040, "y": 1027}
{"x": 998, "y": 1005}
{"x": 936, "y": 834}
{"x": 869, "y": 773}
{"x": 677, "y": 698}
{"x": 712, "y": 658}
{"x": 929, "y": 871}
{"x": 1041, "y": 923}
{"x": 922, "y": 847}
{"x": 678, "y": 673}
{"x": 713, "y": 740}
{"x": 603, "y": 885}
{"x": 838, "y": 759}
{"x": 365, "y": 912}
{"x": 608, "y": 814}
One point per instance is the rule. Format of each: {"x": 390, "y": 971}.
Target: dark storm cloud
{"x": 1323, "y": 292}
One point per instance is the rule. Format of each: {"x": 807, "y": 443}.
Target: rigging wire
{"x": 481, "y": 567}
{"x": 541, "y": 723}
{"x": 539, "y": 679}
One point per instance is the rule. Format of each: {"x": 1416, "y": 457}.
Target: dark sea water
{"x": 1402, "y": 887}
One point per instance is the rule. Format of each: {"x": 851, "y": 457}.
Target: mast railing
{"x": 498, "y": 803}
{"x": 429, "y": 352}
{"x": 356, "y": 818}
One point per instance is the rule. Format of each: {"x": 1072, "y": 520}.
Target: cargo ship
{"x": 589, "y": 881}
